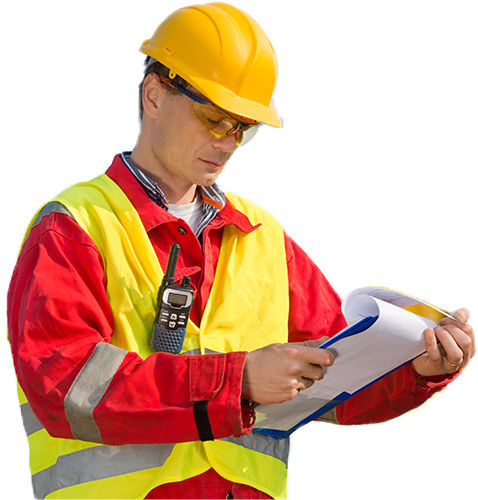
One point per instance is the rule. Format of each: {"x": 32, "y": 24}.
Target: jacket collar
{"x": 152, "y": 215}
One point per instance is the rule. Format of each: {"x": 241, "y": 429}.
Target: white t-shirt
{"x": 190, "y": 213}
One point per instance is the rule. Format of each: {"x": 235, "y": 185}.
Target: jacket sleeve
{"x": 401, "y": 391}
{"x": 80, "y": 386}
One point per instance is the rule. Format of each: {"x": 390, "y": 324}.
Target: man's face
{"x": 182, "y": 147}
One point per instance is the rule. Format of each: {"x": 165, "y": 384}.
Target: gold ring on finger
{"x": 453, "y": 364}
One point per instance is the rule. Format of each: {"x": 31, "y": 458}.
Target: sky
{"x": 55, "y": 49}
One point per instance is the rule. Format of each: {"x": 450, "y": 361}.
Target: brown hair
{"x": 160, "y": 70}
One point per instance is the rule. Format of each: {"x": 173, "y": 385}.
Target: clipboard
{"x": 385, "y": 332}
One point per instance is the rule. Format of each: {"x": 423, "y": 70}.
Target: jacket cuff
{"x": 433, "y": 383}
{"x": 217, "y": 380}
{"x": 248, "y": 415}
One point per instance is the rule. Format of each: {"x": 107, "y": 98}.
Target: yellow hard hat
{"x": 222, "y": 52}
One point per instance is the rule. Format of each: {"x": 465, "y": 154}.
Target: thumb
{"x": 462, "y": 315}
{"x": 314, "y": 343}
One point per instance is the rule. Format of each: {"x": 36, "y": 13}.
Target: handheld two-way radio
{"x": 174, "y": 305}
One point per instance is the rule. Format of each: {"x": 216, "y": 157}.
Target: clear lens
{"x": 248, "y": 134}
{"x": 220, "y": 124}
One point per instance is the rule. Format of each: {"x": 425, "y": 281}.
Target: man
{"x": 108, "y": 417}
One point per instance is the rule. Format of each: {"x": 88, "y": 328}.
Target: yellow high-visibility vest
{"x": 247, "y": 309}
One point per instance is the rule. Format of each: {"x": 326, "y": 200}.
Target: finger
{"x": 431, "y": 345}
{"x": 464, "y": 339}
{"x": 453, "y": 353}
{"x": 465, "y": 327}
{"x": 305, "y": 383}
{"x": 313, "y": 372}
{"x": 314, "y": 356}
{"x": 314, "y": 343}
{"x": 460, "y": 315}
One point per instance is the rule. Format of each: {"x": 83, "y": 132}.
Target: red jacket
{"x": 58, "y": 311}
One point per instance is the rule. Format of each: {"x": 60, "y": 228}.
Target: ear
{"x": 153, "y": 95}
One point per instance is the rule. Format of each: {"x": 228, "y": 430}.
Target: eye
{"x": 230, "y": 124}
{"x": 212, "y": 122}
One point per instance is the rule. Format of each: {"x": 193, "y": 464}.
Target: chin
{"x": 208, "y": 181}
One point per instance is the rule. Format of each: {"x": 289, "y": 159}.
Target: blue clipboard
{"x": 355, "y": 329}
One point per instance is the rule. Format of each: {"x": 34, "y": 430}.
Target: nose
{"x": 226, "y": 144}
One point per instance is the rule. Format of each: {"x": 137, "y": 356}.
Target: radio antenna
{"x": 168, "y": 278}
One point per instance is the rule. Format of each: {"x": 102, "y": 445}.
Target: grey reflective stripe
{"x": 88, "y": 388}
{"x": 277, "y": 448}
{"x": 197, "y": 352}
{"x": 99, "y": 462}
{"x": 53, "y": 206}
{"x": 30, "y": 422}
{"x": 330, "y": 416}
{"x": 192, "y": 352}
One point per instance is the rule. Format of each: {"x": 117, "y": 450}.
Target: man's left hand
{"x": 450, "y": 346}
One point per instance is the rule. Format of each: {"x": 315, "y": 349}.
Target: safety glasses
{"x": 217, "y": 121}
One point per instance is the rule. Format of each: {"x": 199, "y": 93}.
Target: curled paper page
{"x": 412, "y": 304}
{"x": 395, "y": 338}
{"x": 385, "y": 332}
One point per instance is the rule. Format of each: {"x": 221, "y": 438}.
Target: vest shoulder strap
{"x": 52, "y": 207}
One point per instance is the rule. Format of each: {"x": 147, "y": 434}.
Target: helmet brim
{"x": 236, "y": 105}
{"x": 224, "y": 53}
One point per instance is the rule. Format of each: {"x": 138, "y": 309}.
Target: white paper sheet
{"x": 395, "y": 338}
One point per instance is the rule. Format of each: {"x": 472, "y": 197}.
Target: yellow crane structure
{"x": 380, "y": 141}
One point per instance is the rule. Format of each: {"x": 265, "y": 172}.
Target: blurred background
{"x": 373, "y": 174}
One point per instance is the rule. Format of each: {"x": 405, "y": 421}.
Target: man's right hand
{"x": 277, "y": 372}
